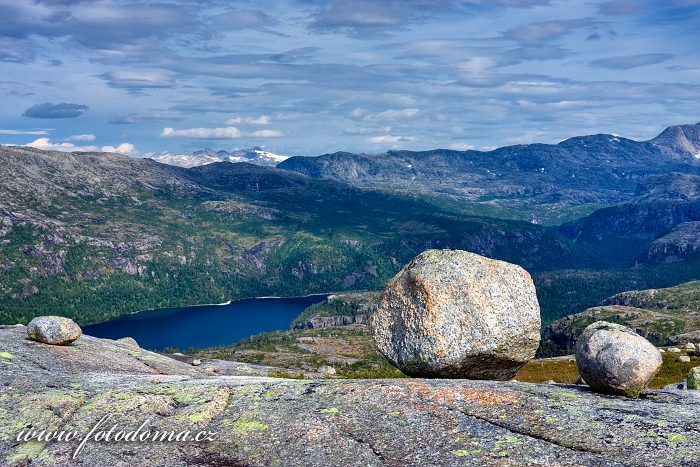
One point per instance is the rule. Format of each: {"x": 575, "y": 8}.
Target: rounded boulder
{"x": 613, "y": 359}
{"x": 54, "y": 330}
{"x": 456, "y": 314}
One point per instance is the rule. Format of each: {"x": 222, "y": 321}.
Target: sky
{"x": 311, "y": 77}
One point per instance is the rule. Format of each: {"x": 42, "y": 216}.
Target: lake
{"x": 204, "y": 326}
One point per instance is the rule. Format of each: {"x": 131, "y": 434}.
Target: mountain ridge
{"x": 540, "y": 180}
{"x": 255, "y": 155}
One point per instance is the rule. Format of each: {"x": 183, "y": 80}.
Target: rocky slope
{"x": 540, "y": 182}
{"x": 655, "y": 226}
{"x": 664, "y": 316}
{"x": 94, "y": 235}
{"x": 338, "y": 310}
{"x": 265, "y": 421}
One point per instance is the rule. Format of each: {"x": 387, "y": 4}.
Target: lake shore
{"x": 202, "y": 326}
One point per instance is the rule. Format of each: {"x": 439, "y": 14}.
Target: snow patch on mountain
{"x": 254, "y": 155}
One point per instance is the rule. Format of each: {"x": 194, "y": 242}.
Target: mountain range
{"x": 537, "y": 182}
{"x": 256, "y": 155}
{"x": 96, "y": 235}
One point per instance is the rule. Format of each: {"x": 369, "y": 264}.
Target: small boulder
{"x": 54, "y": 330}
{"x": 674, "y": 350}
{"x": 326, "y": 370}
{"x": 613, "y": 359}
{"x": 196, "y": 362}
{"x": 455, "y": 314}
{"x": 694, "y": 378}
{"x": 684, "y": 359}
{"x": 689, "y": 346}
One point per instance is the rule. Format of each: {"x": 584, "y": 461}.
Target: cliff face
{"x": 338, "y": 310}
{"x": 265, "y": 421}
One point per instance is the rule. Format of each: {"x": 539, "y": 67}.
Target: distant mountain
{"x": 660, "y": 224}
{"x": 680, "y": 142}
{"x": 538, "y": 182}
{"x": 255, "y": 155}
{"x": 93, "y": 236}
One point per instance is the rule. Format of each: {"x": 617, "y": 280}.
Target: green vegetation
{"x": 565, "y": 292}
{"x": 237, "y": 231}
{"x": 345, "y": 304}
{"x": 563, "y": 370}
{"x": 656, "y": 314}
{"x": 128, "y": 235}
{"x": 349, "y": 349}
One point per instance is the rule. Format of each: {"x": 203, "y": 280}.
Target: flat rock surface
{"x": 266, "y": 421}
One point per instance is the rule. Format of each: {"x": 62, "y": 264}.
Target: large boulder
{"x": 455, "y": 314}
{"x": 613, "y": 359}
{"x": 55, "y": 330}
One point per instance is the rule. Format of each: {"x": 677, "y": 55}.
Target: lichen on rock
{"x": 54, "y": 330}
{"x": 455, "y": 314}
{"x": 613, "y": 359}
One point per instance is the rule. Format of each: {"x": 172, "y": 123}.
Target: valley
{"x": 94, "y": 236}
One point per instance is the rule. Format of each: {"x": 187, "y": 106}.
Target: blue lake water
{"x": 204, "y": 326}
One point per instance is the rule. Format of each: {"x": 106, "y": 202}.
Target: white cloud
{"x": 267, "y": 134}
{"x": 47, "y": 145}
{"x": 124, "y": 148}
{"x": 365, "y": 131}
{"x": 137, "y": 79}
{"x": 230, "y": 132}
{"x": 398, "y": 114}
{"x": 262, "y": 120}
{"x": 390, "y": 139}
{"x": 359, "y": 113}
{"x": 23, "y": 132}
{"x": 461, "y": 146}
{"x": 389, "y": 115}
{"x": 203, "y": 133}
{"x": 84, "y": 138}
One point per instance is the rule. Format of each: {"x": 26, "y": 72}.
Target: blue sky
{"x": 309, "y": 77}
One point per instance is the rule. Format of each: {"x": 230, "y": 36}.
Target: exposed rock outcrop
{"x": 455, "y": 314}
{"x": 265, "y": 421}
{"x": 342, "y": 309}
{"x": 320, "y": 321}
{"x": 613, "y": 359}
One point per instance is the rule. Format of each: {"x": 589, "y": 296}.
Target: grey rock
{"x": 689, "y": 346}
{"x": 129, "y": 341}
{"x": 613, "y": 359}
{"x": 674, "y": 350}
{"x": 196, "y": 362}
{"x": 266, "y": 421}
{"x": 320, "y": 322}
{"x": 684, "y": 359}
{"x": 326, "y": 370}
{"x": 680, "y": 385}
{"x": 55, "y": 330}
{"x": 692, "y": 336}
{"x": 694, "y": 378}
{"x": 455, "y": 314}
